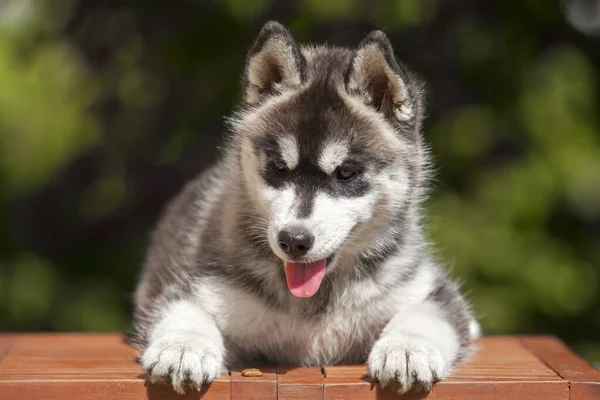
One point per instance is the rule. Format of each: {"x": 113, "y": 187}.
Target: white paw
{"x": 407, "y": 362}
{"x": 182, "y": 359}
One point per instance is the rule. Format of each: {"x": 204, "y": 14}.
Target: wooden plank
{"x": 585, "y": 391}
{"x": 349, "y": 382}
{"x": 80, "y": 390}
{"x": 68, "y": 357}
{"x": 135, "y": 390}
{"x": 219, "y": 389}
{"x": 101, "y": 390}
{"x": 254, "y": 387}
{"x": 554, "y": 353}
{"x": 294, "y": 383}
{"x": 584, "y": 379}
{"x": 33, "y": 368}
{"x": 502, "y": 358}
{"x": 102, "y": 366}
{"x": 494, "y": 390}
{"x": 502, "y": 367}
{"x": 81, "y": 366}
{"x": 76, "y": 345}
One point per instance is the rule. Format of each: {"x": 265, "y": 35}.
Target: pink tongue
{"x": 304, "y": 279}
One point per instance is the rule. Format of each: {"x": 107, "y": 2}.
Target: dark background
{"x": 108, "y": 107}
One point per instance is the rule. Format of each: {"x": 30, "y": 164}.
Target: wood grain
{"x": 349, "y": 382}
{"x": 254, "y": 387}
{"x": 584, "y": 379}
{"x": 105, "y": 389}
{"x": 102, "y": 366}
{"x": 294, "y": 383}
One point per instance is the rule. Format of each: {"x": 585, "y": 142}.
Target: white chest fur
{"x": 251, "y": 328}
{"x": 345, "y": 334}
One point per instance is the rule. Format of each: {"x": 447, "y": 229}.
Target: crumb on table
{"x": 251, "y": 372}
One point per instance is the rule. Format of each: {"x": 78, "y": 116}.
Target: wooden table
{"x": 100, "y": 366}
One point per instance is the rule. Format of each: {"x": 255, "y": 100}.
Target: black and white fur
{"x": 213, "y": 290}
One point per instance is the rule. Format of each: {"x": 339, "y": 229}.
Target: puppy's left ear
{"x": 377, "y": 78}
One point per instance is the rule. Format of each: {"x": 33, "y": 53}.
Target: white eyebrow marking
{"x": 288, "y": 146}
{"x": 332, "y": 155}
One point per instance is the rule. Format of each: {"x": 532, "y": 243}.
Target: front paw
{"x": 407, "y": 362}
{"x": 182, "y": 359}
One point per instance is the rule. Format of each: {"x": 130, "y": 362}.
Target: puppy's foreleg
{"x": 185, "y": 346}
{"x": 417, "y": 348}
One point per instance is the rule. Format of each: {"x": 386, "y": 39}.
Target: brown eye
{"x": 344, "y": 173}
{"x": 279, "y": 165}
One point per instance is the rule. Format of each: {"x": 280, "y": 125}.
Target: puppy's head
{"x": 329, "y": 147}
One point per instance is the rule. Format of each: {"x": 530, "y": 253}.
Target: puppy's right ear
{"x": 274, "y": 64}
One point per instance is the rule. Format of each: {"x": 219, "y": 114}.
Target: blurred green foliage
{"x": 106, "y": 108}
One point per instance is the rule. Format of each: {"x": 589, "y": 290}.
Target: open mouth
{"x": 304, "y": 279}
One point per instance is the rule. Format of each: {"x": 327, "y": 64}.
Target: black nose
{"x": 296, "y": 242}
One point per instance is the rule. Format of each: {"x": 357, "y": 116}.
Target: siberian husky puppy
{"x": 303, "y": 244}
